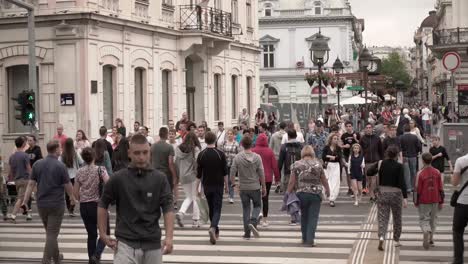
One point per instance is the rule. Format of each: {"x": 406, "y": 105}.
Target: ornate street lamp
{"x": 319, "y": 55}
{"x": 365, "y": 60}
{"x": 338, "y": 68}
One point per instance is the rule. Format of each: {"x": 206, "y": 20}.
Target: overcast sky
{"x": 391, "y": 22}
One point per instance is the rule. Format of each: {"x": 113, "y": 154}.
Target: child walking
{"x": 356, "y": 165}
{"x": 429, "y": 199}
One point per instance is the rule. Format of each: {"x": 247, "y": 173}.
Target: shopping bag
{"x": 203, "y": 207}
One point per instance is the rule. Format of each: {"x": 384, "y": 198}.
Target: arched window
{"x": 270, "y": 94}
{"x": 108, "y": 88}
{"x": 267, "y": 10}
{"x": 234, "y": 96}
{"x": 217, "y": 96}
{"x": 318, "y": 7}
{"x": 140, "y": 87}
{"x": 166, "y": 91}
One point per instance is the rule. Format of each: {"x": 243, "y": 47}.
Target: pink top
{"x": 88, "y": 179}
{"x": 62, "y": 138}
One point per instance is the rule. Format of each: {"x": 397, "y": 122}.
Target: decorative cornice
{"x": 302, "y": 19}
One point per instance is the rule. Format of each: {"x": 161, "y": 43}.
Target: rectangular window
{"x": 234, "y": 96}
{"x": 167, "y": 2}
{"x": 217, "y": 95}
{"x": 235, "y": 11}
{"x": 249, "y": 95}
{"x": 318, "y": 10}
{"x": 268, "y": 56}
{"x": 166, "y": 91}
{"x": 249, "y": 13}
{"x": 268, "y": 12}
{"x": 139, "y": 92}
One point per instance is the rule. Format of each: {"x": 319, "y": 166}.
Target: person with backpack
{"x": 88, "y": 185}
{"x": 309, "y": 177}
{"x": 429, "y": 198}
{"x": 460, "y": 202}
{"x": 289, "y": 153}
{"x": 186, "y": 167}
{"x": 73, "y": 161}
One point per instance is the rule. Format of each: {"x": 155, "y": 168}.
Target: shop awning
{"x": 355, "y": 88}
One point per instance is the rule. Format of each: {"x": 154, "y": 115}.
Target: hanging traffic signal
{"x": 25, "y": 105}
{"x": 29, "y": 109}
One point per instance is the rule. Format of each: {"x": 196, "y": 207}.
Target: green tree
{"x": 394, "y": 67}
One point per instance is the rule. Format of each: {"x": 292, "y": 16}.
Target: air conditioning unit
{"x": 300, "y": 64}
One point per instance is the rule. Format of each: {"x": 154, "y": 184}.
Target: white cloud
{"x": 391, "y": 22}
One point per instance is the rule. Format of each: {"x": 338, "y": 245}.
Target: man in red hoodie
{"x": 270, "y": 166}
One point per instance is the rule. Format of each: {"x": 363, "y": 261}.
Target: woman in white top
{"x": 415, "y": 131}
{"x": 81, "y": 141}
{"x": 73, "y": 161}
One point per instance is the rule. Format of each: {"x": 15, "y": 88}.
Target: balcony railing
{"x": 206, "y": 19}
{"x": 450, "y": 36}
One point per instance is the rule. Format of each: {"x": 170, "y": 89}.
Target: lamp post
{"x": 319, "y": 55}
{"x": 338, "y": 68}
{"x": 365, "y": 60}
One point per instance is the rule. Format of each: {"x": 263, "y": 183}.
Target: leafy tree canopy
{"x": 394, "y": 67}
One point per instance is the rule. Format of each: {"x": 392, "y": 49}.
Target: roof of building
{"x": 430, "y": 21}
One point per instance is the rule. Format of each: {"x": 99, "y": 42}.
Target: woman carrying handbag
{"x": 391, "y": 194}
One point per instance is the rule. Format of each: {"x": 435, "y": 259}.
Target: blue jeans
{"x": 256, "y": 197}
{"x": 310, "y": 209}
{"x": 214, "y": 197}
{"x": 88, "y": 212}
{"x": 230, "y": 188}
{"x": 410, "y": 166}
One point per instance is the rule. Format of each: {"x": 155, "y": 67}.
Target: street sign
{"x": 451, "y": 61}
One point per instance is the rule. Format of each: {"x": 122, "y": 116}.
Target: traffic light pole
{"x": 32, "y": 57}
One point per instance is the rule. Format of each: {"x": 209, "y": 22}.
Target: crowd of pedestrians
{"x": 377, "y": 157}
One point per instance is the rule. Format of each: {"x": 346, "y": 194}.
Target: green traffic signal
{"x": 30, "y": 116}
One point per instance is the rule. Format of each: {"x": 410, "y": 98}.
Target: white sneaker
{"x": 397, "y": 244}
{"x": 265, "y": 223}
{"x": 196, "y": 224}
{"x": 231, "y": 201}
{"x": 356, "y": 203}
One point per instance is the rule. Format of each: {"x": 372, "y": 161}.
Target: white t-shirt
{"x": 299, "y": 138}
{"x": 150, "y": 139}
{"x": 426, "y": 114}
{"x": 461, "y": 163}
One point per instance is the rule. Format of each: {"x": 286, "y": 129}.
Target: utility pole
{"x": 32, "y": 58}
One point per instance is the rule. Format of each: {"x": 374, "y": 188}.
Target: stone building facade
{"x": 139, "y": 60}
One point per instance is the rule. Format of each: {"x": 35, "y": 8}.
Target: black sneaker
{"x": 278, "y": 189}
{"x": 246, "y": 237}
{"x": 381, "y": 242}
{"x": 350, "y": 192}
{"x": 179, "y": 220}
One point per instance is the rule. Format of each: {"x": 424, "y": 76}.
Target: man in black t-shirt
{"x": 439, "y": 154}
{"x": 103, "y": 134}
{"x": 213, "y": 174}
{"x": 349, "y": 139}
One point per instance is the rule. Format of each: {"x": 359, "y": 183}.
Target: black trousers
{"x": 265, "y": 199}
{"x": 70, "y": 207}
{"x": 460, "y": 220}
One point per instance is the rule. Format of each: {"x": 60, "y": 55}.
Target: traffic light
{"x": 25, "y": 105}
{"x": 29, "y": 109}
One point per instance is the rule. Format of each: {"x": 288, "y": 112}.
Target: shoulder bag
{"x": 456, "y": 194}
